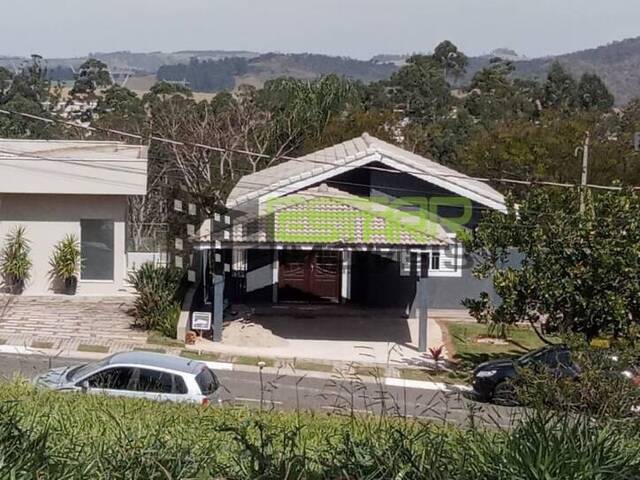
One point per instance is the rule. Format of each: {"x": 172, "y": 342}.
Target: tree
{"x": 6, "y": 78}
{"x": 452, "y": 60}
{"x": 560, "y": 88}
{"x": 421, "y": 90}
{"x": 579, "y": 272}
{"x": 92, "y": 75}
{"x": 593, "y": 94}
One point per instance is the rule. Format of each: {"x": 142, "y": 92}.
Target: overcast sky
{"x": 358, "y": 28}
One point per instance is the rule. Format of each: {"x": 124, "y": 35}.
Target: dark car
{"x": 492, "y": 381}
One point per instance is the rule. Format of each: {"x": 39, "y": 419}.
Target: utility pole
{"x": 585, "y": 170}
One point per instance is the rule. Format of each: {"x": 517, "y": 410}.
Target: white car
{"x": 147, "y": 375}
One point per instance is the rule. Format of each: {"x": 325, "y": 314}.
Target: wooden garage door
{"x": 309, "y": 276}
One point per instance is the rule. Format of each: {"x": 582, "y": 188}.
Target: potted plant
{"x": 15, "y": 263}
{"x": 65, "y": 263}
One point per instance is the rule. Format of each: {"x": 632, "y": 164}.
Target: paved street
{"x": 330, "y": 395}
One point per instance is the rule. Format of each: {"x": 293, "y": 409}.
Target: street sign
{"x": 201, "y": 320}
{"x": 636, "y": 141}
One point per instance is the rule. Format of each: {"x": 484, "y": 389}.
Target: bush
{"x": 49, "y": 435}
{"x": 601, "y": 389}
{"x": 157, "y": 302}
{"x": 15, "y": 261}
{"x": 66, "y": 261}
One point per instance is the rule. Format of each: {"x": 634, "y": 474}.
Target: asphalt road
{"x": 338, "y": 395}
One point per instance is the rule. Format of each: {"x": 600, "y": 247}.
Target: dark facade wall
{"x": 392, "y": 186}
{"x": 376, "y": 282}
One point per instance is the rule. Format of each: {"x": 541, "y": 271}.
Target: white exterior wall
{"x": 48, "y": 218}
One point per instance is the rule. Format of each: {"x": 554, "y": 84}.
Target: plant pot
{"x": 70, "y": 285}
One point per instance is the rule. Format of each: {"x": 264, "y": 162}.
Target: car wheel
{"x": 505, "y": 394}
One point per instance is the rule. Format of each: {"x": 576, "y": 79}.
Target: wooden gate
{"x": 309, "y": 276}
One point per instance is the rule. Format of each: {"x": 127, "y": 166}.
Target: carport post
{"x": 422, "y": 312}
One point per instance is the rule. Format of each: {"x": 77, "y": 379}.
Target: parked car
{"x": 492, "y": 380}
{"x": 140, "y": 375}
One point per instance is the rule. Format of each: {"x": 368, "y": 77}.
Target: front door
{"x": 309, "y": 276}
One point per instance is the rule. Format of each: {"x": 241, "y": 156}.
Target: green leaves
{"x": 66, "y": 259}
{"x": 576, "y": 271}
{"x": 15, "y": 261}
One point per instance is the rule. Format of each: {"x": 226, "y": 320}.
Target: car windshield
{"x": 86, "y": 369}
{"x": 534, "y": 355}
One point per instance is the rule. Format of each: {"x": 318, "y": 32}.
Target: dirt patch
{"x": 243, "y": 333}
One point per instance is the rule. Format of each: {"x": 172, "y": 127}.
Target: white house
{"x": 55, "y": 188}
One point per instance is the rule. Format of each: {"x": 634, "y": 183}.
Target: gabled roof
{"x": 313, "y": 168}
{"x": 324, "y": 215}
{"x": 72, "y": 167}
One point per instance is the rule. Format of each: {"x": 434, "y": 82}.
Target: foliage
{"x": 207, "y": 75}
{"x": 15, "y": 261}
{"x": 452, "y": 60}
{"x": 601, "y": 391}
{"x": 66, "y": 259}
{"x": 577, "y": 272}
{"x": 123, "y": 438}
{"x": 157, "y": 301}
{"x": 421, "y": 89}
{"x": 92, "y": 75}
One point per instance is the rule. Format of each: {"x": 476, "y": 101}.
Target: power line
{"x": 443, "y": 176}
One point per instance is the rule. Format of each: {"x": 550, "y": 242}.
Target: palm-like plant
{"x": 15, "y": 261}
{"x": 66, "y": 261}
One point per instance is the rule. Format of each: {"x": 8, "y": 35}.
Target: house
{"x": 362, "y": 222}
{"x": 55, "y": 188}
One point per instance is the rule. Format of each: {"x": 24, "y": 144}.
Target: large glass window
{"x": 96, "y": 237}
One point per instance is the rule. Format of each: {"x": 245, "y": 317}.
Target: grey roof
{"x": 354, "y": 152}
{"x": 72, "y": 167}
{"x": 159, "y": 360}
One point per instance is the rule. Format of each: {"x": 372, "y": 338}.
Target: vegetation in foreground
{"x": 46, "y": 435}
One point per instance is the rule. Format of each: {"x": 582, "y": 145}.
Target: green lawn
{"x": 468, "y": 352}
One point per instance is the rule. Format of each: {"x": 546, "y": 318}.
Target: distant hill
{"x": 228, "y": 73}
{"x": 618, "y": 63}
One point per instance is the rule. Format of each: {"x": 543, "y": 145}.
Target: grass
{"x": 75, "y": 436}
{"x": 87, "y": 347}
{"x": 156, "y": 338}
{"x": 43, "y": 345}
{"x": 204, "y": 357}
{"x": 152, "y": 350}
{"x": 361, "y": 371}
{"x": 253, "y": 361}
{"x": 468, "y": 352}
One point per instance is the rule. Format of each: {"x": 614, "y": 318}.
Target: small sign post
{"x": 201, "y": 321}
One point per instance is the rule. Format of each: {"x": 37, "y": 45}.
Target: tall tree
{"x": 452, "y": 60}
{"x": 593, "y": 94}
{"x": 560, "y": 88}
{"x": 420, "y": 89}
{"x": 92, "y": 75}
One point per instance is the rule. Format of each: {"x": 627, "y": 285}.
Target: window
{"x": 155, "y": 381}
{"x": 435, "y": 261}
{"x": 97, "y": 238}
{"x": 112, "y": 378}
{"x": 207, "y": 381}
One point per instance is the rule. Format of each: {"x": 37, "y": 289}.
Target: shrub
{"x": 157, "y": 301}
{"x": 601, "y": 389}
{"x": 15, "y": 262}
{"x": 66, "y": 261}
{"x": 49, "y": 435}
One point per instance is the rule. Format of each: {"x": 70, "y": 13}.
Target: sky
{"x": 356, "y": 28}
